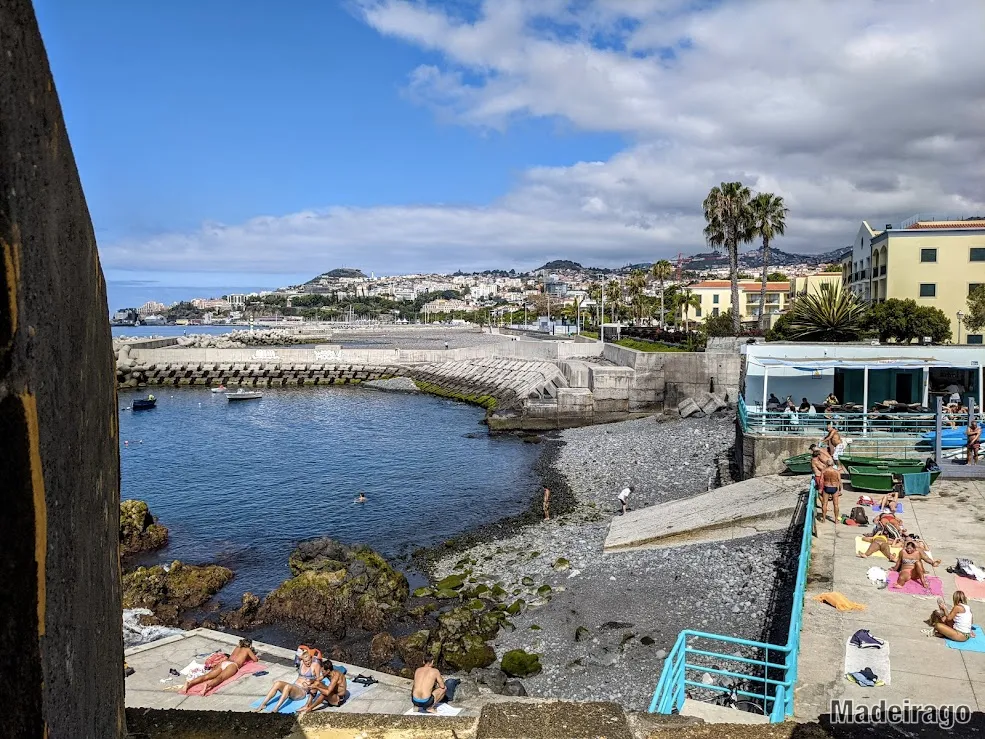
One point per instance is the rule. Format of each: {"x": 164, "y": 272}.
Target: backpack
{"x": 859, "y": 517}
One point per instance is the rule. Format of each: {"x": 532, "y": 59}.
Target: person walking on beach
{"x": 547, "y": 503}
{"x": 429, "y": 687}
{"x": 624, "y": 498}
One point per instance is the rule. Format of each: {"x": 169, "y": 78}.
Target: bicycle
{"x": 731, "y": 700}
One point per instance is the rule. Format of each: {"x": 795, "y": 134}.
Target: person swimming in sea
{"x": 361, "y": 498}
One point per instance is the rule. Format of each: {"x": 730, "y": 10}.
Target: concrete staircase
{"x": 712, "y": 714}
{"x": 510, "y": 381}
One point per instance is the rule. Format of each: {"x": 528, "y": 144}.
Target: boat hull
{"x": 799, "y": 464}
{"x": 243, "y": 396}
{"x": 878, "y": 482}
{"x": 877, "y": 464}
{"x": 143, "y": 405}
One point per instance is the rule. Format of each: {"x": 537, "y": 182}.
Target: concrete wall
{"x": 764, "y": 455}
{"x": 61, "y": 635}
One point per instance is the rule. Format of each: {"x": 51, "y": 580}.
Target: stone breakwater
{"x": 607, "y": 621}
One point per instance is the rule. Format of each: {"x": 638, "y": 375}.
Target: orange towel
{"x": 839, "y": 601}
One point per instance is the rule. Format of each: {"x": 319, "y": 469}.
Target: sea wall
{"x": 61, "y": 640}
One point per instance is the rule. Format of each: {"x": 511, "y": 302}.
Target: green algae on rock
{"x": 518, "y": 663}
{"x": 170, "y": 590}
{"x": 139, "y": 530}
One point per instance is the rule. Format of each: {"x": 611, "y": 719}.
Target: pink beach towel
{"x": 248, "y": 669}
{"x": 970, "y": 587}
{"x": 912, "y": 587}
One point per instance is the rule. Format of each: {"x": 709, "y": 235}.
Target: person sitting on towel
{"x": 429, "y": 687}
{"x": 909, "y": 566}
{"x": 227, "y": 668}
{"x": 334, "y": 694}
{"x": 925, "y": 553}
{"x": 955, "y": 625}
{"x": 889, "y": 501}
{"x": 310, "y": 673}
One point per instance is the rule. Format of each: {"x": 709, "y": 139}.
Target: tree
{"x": 635, "y": 286}
{"x": 729, "y": 223}
{"x": 832, "y": 314}
{"x": 661, "y": 271}
{"x": 720, "y": 325}
{"x": 974, "y": 320}
{"x": 768, "y": 222}
{"x": 781, "y": 331}
{"x": 687, "y": 301}
{"x": 613, "y": 295}
{"x": 904, "y": 320}
{"x": 777, "y": 277}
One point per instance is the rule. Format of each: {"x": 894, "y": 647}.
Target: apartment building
{"x": 716, "y": 298}
{"x": 811, "y": 284}
{"x": 936, "y": 260}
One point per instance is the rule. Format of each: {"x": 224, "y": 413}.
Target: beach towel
{"x": 977, "y": 644}
{"x": 861, "y": 547}
{"x": 193, "y": 669}
{"x": 878, "y": 509}
{"x": 974, "y": 589}
{"x": 353, "y": 690}
{"x": 248, "y": 669}
{"x": 916, "y": 483}
{"x": 443, "y": 709}
{"x": 912, "y": 587}
{"x": 877, "y": 660}
{"x": 839, "y": 601}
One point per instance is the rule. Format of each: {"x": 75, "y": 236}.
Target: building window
{"x": 928, "y": 255}
{"x": 974, "y": 338}
{"x": 978, "y": 253}
{"x": 972, "y": 286}
{"x": 714, "y": 299}
{"x": 928, "y": 290}
{"x": 714, "y": 311}
{"x": 697, "y": 313}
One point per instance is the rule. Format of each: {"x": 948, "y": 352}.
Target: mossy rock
{"x": 423, "y": 592}
{"x": 516, "y": 607}
{"x": 477, "y": 604}
{"x": 534, "y": 555}
{"x": 518, "y": 663}
{"x": 582, "y": 634}
{"x": 498, "y": 591}
{"x": 468, "y": 654}
{"x": 480, "y": 589}
{"x": 561, "y": 564}
{"x": 139, "y": 530}
{"x": 544, "y": 589}
{"x": 527, "y": 581}
{"x": 169, "y": 592}
{"x": 445, "y": 594}
{"x": 452, "y": 582}
{"x": 534, "y": 627}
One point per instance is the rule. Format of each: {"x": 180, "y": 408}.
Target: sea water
{"x": 240, "y": 483}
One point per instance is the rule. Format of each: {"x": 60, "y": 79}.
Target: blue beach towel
{"x": 288, "y": 707}
{"x": 878, "y": 509}
{"x": 916, "y": 483}
{"x": 972, "y": 645}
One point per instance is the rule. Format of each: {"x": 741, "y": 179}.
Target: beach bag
{"x": 864, "y": 500}
{"x": 859, "y": 517}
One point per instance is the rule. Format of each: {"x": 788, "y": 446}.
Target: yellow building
{"x": 716, "y": 298}
{"x": 935, "y": 260}
{"x": 805, "y": 284}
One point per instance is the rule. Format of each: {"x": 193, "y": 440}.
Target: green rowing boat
{"x": 873, "y": 481}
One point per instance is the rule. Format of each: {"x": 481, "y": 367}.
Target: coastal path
{"x": 924, "y": 670}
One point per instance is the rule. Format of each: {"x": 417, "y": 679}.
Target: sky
{"x": 242, "y": 144}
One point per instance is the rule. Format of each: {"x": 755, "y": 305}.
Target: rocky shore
{"x": 602, "y": 624}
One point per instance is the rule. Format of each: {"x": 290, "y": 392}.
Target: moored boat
{"x": 799, "y": 464}
{"x": 242, "y": 394}
{"x": 875, "y": 481}
{"x": 220, "y": 389}
{"x": 884, "y": 464}
{"x": 144, "y": 404}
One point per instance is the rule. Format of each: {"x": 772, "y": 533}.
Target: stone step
{"x": 712, "y": 714}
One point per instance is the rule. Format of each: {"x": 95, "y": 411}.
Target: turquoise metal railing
{"x": 775, "y": 672}
{"x": 775, "y": 423}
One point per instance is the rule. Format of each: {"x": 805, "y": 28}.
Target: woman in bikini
{"x": 909, "y": 567}
{"x": 955, "y": 625}
{"x": 241, "y": 655}
{"x": 310, "y": 672}
{"x": 334, "y": 694}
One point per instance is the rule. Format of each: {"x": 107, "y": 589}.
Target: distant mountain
{"x": 560, "y": 264}
{"x": 336, "y": 273}
{"x": 751, "y": 259}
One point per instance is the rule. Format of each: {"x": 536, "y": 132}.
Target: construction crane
{"x": 680, "y": 266}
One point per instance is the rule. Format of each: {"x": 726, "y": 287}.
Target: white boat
{"x": 242, "y": 394}
{"x": 220, "y": 389}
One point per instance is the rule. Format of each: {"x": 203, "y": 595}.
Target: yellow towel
{"x": 839, "y": 601}
{"x": 861, "y": 547}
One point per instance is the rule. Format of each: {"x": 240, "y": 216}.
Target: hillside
{"x": 751, "y": 259}
{"x": 337, "y": 273}
{"x": 560, "y": 264}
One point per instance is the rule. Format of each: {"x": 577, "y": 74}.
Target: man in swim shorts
{"x": 836, "y": 446}
{"x": 974, "y": 441}
{"x": 429, "y": 688}
{"x": 830, "y": 490}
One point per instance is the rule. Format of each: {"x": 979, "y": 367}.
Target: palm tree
{"x": 768, "y": 218}
{"x": 688, "y": 300}
{"x": 636, "y": 284}
{"x": 613, "y": 293}
{"x": 832, "y": 314}
{"x": 662, "y": 271}
{"x": 729, "y": 220}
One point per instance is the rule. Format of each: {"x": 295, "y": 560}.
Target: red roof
{"x": 946, "y": 224}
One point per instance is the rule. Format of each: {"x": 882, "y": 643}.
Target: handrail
{"x": 669, "y": 695}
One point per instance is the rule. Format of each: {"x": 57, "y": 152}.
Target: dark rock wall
{"x": 60, "y": 627}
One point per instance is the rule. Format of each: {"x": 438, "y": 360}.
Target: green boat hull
{"x": 799, "y": 464}
{"x": 877, "y": 481}
{"x": 877, "y": 464}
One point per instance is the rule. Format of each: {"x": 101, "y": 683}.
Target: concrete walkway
{"x": 741, "y": 509}
{"x": 151, "y": 662}
{"x": 924, "y": 670}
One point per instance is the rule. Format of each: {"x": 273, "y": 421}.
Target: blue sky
{"x": 245, "y": 144}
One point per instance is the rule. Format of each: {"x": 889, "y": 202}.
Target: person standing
{"x": 831, "y": 490}
{"x": 624, "y": 498}
{"x": 974, "y": 441}
{"x": 547, "y": 503}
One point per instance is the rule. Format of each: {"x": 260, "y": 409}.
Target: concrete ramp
{"x": 741, "y": 509}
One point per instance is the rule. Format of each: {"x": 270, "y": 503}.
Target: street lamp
{"x": 960, "y": 318}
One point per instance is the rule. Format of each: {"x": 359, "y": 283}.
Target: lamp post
{"x": 960, "y": 318}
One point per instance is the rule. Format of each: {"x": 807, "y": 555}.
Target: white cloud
{"x": 850, "y": 109}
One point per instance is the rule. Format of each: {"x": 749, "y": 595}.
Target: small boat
{"x": 144, "y": 404}
{"x": 950, "y": 438}
{"x": 220, "y": 389}
{"x": 242, "y": 394}
{"x": 880, "y": 464}
{"x": 879, "y": 482}
{"x": 799, "y": 464}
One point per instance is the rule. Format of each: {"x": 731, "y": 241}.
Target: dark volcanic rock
{"x": 139, "y": 530}
{"x": 170, "y": 590}
{"x": 381, "y": 649}
{"x": 246, "y": 616}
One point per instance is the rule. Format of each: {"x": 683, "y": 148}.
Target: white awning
{"x": 807, "y": 364}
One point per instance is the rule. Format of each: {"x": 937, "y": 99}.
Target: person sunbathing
{"x": 227, "y": 668}
{"x": 909, "y": 566}
{"x": 879, "y": 544}
{"x": 310, "y": 672}
{"x": 955, "y": 625}
{"x": 889, "y": 501}
{"x": 334, "y": 694}
{"x": 923, "y": 549}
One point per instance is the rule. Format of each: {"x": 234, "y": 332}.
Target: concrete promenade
{"x": 924, "y": 670}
